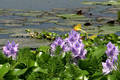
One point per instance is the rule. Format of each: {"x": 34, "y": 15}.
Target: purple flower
{"x": 112, "y": 53}
{"x": 110, "y": 45}
{"x": 73, "y": 43}
{"x": 57, "y": 42}
{"x": 112, "y": 50}
{"x": 82, "y": 51}
{"x": 78, "y": 50}
{"x": 114, "y": 59}
{"x": 53, "y": 46}
{"x": 73, "y": 36}
{"x": 72, "y": 39}
{"x": 11, "y": 49}
{"x": 74, "y": 33}
{"x": 107, "y": 66}
{"x": 75, "y": 52}
{"x": 66, "y": 45}
{"x": 77, "y": 44}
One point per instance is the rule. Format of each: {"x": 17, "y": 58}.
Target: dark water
{"x": 41, "y": 4}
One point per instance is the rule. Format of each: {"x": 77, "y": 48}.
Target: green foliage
{"x": 3, "y": 59}
{"x": 4, "y": 69}
{"x": 26, "y": 57}
{"x": 42, "y": 64}
{"x": 99, "y": 52}
{"x": 42, "y": 35}
{"x": 44, "y": 49}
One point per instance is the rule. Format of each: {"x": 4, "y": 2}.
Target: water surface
{"x": 41, "y": 4}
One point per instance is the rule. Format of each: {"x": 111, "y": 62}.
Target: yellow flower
{"x": 78, "y": 27}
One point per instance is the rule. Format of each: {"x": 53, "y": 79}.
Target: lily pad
{"x": 14, "y": 9}
{"x": 51, "y": 17}
{"x": 105, "y": 29}
{"x": 70, "y": 23}
{"x": 101, "y": 3}
{"x": 71, "y": 16}
{"x": 38, "y": 20}
{"x": 110, "y": 29}
{"x": 62, "y": 29}
{"x": 10, "y": 21}
{"x": 13, "y": 25}
{"x": 27, "y": 14}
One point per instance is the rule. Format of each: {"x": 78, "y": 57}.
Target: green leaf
{"x": 34, "y": 76}
{"x": 58, "y": 50}
{"x": 111, "y": 77}
{"x": 74, "y": 72}
{"x": 55, "y": 79}
{"x": 18, "y": 72}
{"x": 100, "y": 51}
{"x": 3, "y": 58}
{"x": 43, "y": 59}
{"x": 71, "y": 16}
{"x": 43, "y": 49}
{"x": 4, "y": 69}
{"x": 27, "y": 57}
{"x": 96, "y": 75}
{"x": 39, "y": 69}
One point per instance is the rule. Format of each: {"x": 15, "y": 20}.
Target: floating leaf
{"x": 112, "y": 2}
{"x": 71, "y": 16}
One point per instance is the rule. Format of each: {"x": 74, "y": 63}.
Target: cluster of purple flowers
{"x": 72, "y": 43}
{"x": 112, "y": 53}
{"x": 10, "y": 49}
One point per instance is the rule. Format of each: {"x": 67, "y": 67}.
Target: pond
{"x": 41, "y": 4}
{"x": 48, "y": 15}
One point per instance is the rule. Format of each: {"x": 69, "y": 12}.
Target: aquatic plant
{"x": 72, "y": 43}
{"x": 112, "y": 50}
{"x": 10, "y": 49}
{"x": 112, "y": 53}
{"x": 68, "y": 62}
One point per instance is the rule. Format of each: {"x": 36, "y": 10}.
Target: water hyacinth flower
{"x": 57, "y": 42}
{"x": 73, "y": 36}
{"x": 107, "y": 66}
{"x": 83, "y": 52}
{"x": 72, "y": 43}
{"x": 66, "y": 46}
{"x": 112, "y": 53}
{"x": 112, "y": 50}
{"x": 79, "y": 51}
{"x": 10, "y": 49}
